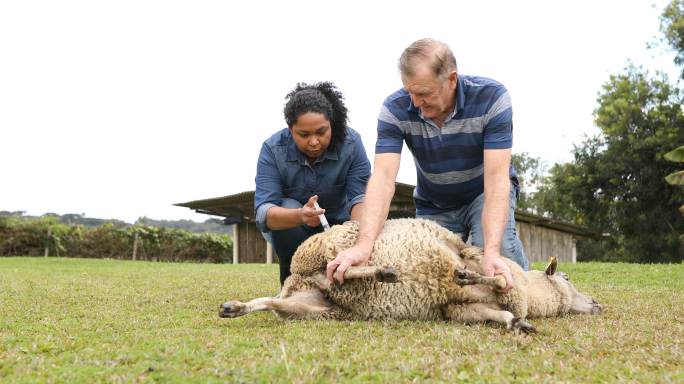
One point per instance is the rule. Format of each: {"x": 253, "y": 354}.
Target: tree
{"x": 616, "y": 183}
{"x": 531, "y": 172}
{"x": 672, "y": 26}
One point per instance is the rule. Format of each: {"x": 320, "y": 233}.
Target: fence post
{"x": 47, "y": 242}
{"x": 236, "y": 244}
{"x": 574, "y": 251}
{"x": 135, "y": 245}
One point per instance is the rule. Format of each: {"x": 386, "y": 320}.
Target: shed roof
{"x": 240, "y": 207}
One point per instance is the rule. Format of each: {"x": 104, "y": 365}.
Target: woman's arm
{"x": 278, "y": 218}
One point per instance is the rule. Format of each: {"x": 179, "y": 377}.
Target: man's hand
{"x": 355, "y": 255}
{"x": 494, "y": 264}
{"x": 309, "y": 213}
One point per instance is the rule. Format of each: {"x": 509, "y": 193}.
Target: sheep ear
{"x": 551, "y": 268}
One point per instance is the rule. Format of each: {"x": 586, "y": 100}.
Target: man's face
{"x": 312, "y": 134}
{"x": 433, "y": 95}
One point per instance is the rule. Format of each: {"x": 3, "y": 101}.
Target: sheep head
{"x": 579, "y": 303}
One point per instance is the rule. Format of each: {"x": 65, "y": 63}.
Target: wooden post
{"x": 135, "y": 245}
{"x": 236, "y": 244}
{"x": 574, "y": 251}
{"x": 47, "y": 242}
{"x": 269, "y": 253}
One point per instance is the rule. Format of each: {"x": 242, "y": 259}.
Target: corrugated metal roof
{"x": 547, "y": 222}
{"x": 242, "y": 205}
{"x": 237, "y": 205}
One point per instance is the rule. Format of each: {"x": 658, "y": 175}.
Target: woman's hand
{"x": 309, "y": 213}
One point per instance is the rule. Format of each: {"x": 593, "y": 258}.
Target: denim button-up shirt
{"x": 338, "y": 177}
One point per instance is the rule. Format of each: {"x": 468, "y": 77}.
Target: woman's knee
{"x": 274, "y": 236}
{"x": 290, "y": 203}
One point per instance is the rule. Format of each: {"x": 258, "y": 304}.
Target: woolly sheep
{"x": 418, "y": 270}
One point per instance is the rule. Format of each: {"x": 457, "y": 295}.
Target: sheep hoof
{"x": 465, "y": 277}
{"x": 520, "y": 324}
{"x": 388, "y": 275}
{"x": 231, "y": 309}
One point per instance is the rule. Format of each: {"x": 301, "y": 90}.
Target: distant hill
{"x": 208, "y": 226}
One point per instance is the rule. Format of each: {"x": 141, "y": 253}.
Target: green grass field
{"x": 76, "y": 320}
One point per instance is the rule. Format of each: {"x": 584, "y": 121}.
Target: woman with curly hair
{"x": 316, "y": 159}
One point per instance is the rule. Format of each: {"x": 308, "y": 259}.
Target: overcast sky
{"x": 119, "y": 109}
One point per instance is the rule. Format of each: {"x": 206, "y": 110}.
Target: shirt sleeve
{"x": 390, "y": 137}
{"x": 358, "y": 174}
{"x": 498, "y": 122}
{"x": 269, "y": 188}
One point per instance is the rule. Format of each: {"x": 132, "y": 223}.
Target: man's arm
{"x": 357, "y": 179}
{"x": 495, "y": 212}
{"x": 376, "y": 206}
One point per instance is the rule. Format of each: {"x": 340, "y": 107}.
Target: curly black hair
{"x": 323, "y": 98}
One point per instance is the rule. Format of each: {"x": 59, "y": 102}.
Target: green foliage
{"x": 555, "y": 196}
{"x": 531, "y": 173}
{"x": 103, "y": 321}
{"x": 641, "y": 120}
{"x": 210, "y": 225}
{"x": 675, "y": 156}
{"x": 676, "y": 178}
{"x": 20, "y": 236}
{"x": 672, "y": 26}
{"x": 615, "y": 183}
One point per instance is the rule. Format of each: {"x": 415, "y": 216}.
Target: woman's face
{"x": 312, "y": 133}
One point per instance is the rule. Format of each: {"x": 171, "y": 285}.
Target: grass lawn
{"x": 76, "y": 320}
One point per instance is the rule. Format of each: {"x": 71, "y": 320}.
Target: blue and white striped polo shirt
{"x": 449, "y": 161}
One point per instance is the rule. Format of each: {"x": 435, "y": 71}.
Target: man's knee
{"x": 512, "y": 248}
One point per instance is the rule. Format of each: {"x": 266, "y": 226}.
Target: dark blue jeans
{"x": 285, "y": 242}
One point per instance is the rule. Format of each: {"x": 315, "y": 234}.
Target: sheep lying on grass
{"x": 419, "y": 271}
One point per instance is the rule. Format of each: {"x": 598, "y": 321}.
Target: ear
{"x": 453, "y": 78}
{"x": 551, "y": 268}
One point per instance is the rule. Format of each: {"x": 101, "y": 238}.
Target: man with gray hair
{"x": 459, "y": 130}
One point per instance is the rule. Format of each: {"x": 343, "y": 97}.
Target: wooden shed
{"x": 541, "y": 237}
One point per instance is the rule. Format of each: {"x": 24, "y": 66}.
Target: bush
{"x": 20, "y": 236}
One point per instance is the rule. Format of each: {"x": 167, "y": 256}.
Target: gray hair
{"x": 435, "y": 52}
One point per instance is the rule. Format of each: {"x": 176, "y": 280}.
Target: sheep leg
{"x": 481, "y": 312}
{"x": 467, "y": 277}
{"x": 300, "y": 305}
{"x": 380, "y": 273}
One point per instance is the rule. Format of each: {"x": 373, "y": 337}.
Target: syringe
{"x": 324, "y": 221}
